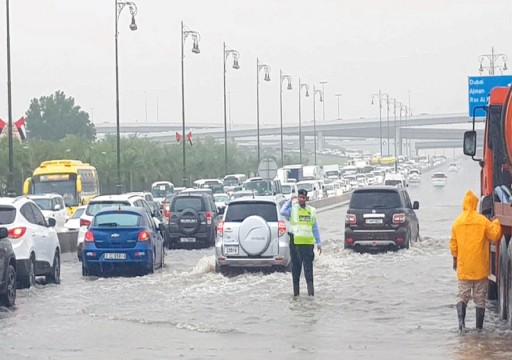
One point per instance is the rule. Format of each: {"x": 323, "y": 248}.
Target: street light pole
{"x": 236, "y": 56}
{"x": 10, "y": 175}
{"x": 282, "y": 78}
{"x": 300, "y": 117}
{"x": 185, "y": 32}
{"x": 380, "y": 96}
{"x": 338, "y": 96}
{"x": 492, "y": 58}
{"x": 323, "y": 103}
{"x": 267, "y": 69}
{"x": 387, "y": 110}
{"x": 119, "y": 6}
{"x": 315, "y": 91}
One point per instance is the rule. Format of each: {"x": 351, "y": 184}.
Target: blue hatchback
{"x": 122, "y": 240}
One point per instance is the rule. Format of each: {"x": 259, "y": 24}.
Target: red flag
{"x": 178, "y": 137}
{"x": 22, "y": 130}
{"x": 3, "y": 125}
{"x": 189, "y": 137}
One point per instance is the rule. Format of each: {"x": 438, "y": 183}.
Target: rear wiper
{"x": 108, "y": 224}
{"x": 380, "y": 207}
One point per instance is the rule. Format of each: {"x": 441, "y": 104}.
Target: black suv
{"x": 7, "y": 270}
{"x": 193, "y": 220}
{"x": 381, "y": 218}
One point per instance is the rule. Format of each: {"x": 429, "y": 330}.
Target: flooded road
{"x": 397, "y": 305}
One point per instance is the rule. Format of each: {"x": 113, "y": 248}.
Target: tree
{"x": 55, "y": 116}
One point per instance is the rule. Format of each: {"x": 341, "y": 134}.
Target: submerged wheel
{"x": 502, "y": 276}
{"x": 54, "y": 276}
{"x": 29, "y": 280}
{"x": 9, "y": 297}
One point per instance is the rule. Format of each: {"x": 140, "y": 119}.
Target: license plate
{"x": 231, "y": 250}
{"x": 187, "y": 240}
{"x": 374, "y": 221}
{"x": 115, "y": 256}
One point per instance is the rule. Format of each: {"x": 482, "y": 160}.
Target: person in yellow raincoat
{"x": 469, "y": 245}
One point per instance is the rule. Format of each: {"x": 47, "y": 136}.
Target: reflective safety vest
{"x": 301, "y": 221}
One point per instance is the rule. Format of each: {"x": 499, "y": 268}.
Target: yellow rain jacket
{"x": 471, "y": 233}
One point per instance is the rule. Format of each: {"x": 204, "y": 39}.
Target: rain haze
{"x": 422, "y": 49}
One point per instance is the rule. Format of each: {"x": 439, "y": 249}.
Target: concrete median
{"x": 67, "y": 241}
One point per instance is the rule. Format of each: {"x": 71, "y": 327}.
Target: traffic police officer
{"x": 304, "y": 235}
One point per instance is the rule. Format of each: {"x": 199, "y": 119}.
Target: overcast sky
{"x": 427, "y": 48}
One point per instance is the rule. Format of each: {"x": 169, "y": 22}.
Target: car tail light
{"x": 398, "y": 218}
{"x": 167, "y": 211}
{"x": 220, "y": 229}
{"x": 84, "y": 222}
{"x": 350, "y": 219}
{"x": 89, "y": 236}
{"x": 17, "y": 232}
{"x": 349, "y": 241}
{"x": 400, "y": 240}
{"x": 208, "y": 218}
{"x": 143, "y": 236}
{"x": 281, "y": 228}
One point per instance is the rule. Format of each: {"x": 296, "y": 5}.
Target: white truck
{"x": 311, "y": 172}
{"x": 332, "y": 171}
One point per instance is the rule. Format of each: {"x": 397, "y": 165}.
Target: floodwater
{"x": 396, "y": 305}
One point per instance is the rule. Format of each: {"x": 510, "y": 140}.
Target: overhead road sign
{"x": 479, "y": 89}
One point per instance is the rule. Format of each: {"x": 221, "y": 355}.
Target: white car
{"x": 439, "y": 179}
{"x": 52, "y": 206}
{"x": 73, "y": 222}
{"x": 104, "y": 201}
{"x": 289, "y": 189}
{"x": 34, "y": 241}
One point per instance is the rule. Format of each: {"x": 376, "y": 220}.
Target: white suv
{"x": 104, "y": 201}
{"x": 33, "y": 239}
{"x": 52, "y": 206}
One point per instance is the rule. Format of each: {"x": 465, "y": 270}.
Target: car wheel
{"x": 407, "y": 244}
{"x": 30, "y": 279}
{"x": 503, "y": 275}
{"x": 54, "y": 276}
{"x": 85, "y": 271}
{"x": 222, "y": 269}
{"x": 8, "y": 299}
{"x": 163, "y": 256}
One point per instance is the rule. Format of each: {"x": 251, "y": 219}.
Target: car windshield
{"x": 78, "y": 213}
{"x": 286, "y": 189}
{"x": 187, "y": 202}
{"x": 261, "y": 187}
{"x": 305, "y": 186}
{"x": 94, "y": 208}
{"x": 231, "y": 182}
{"x": 117, "y": 219}
{"x": 44, "y": 204}
{"x": 237, "y": 212}
{"x": 221, "y": 198}
{"x": 161, "y": 190}
{"x": 439, "y": 175}
{"x": 7, "y": 215}
{"x": 375, "y": 199}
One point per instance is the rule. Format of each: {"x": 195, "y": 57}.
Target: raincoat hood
{"x": 470, "y": 201}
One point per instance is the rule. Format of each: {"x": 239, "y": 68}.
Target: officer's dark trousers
{"x": 302, "y": 255}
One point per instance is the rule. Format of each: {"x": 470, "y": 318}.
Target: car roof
{"x": 119, "y": 197}
{"x": 132, "y": 209}
{"x": 14, "y": 200}
{"x": 43, "y": 196}
{"x": 253, "y": 199}
{"x": 379, "y": 188}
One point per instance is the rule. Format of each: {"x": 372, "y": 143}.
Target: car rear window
{"x": 439, "y": 175}
{"x": 375, "y": 199}
{"x": 237, "y": 212}
{"x": 393, "y": 182}
{"x": 188, "y": 202}
{"x": 7, "y": 215}
{"x": 94, "y": 208}
{"x": 117, "y": 219}
{"x": 44, "y": 204}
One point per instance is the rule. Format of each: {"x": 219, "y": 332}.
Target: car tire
{"x": 9, "y": 298}
{"x": 85, "y": 271}
{"x": 221, "y": 269}
{"x": 30, "y": 279}
{"x": 54, "y": 276}
{"x": 163, "y": 256}
{"x": 503, "y": 280}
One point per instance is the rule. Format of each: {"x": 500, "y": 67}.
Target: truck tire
{"x": 509, "y": 286}
{"x": 503, "y": 278}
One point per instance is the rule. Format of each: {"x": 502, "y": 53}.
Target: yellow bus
{"x": 76, "y": 181}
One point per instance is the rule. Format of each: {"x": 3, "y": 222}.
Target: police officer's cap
{"x": 302, "y": 192}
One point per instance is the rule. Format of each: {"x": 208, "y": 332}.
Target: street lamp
{"x": 236, "y": 56}
{"x": 267, "y": 69}
{"x": 338, "y": 96}
{"x": 387, "y": 116}
{"x": 323, "y": 103}
{"x": 300, "y": 117}
{"x": 119, "y": 6}
{"x": 407, "y": 141}
{"x": 185, "y": 32}
{"x": 282, "y": 78}
{"x": 492, "y": 58}
{"x": 394, "y": 126}
{"x": 380, "y": 95}
{"x": 315, "y": 92}
{"x": 10, "y": 175}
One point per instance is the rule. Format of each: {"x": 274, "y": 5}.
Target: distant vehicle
{"x": 7, "y": 269}
{"x": 381, "y": 217}
{"x": 414, "y": 176}
{"x": 311, "y": 172}
{"x": 332, "y": 171}
{"x": 160, "y": 189}
{"x": 252, "y": 234}
{"x": 52, "y": 206}
{"x": 263, "y": 187}
{"x": 216, "y": 185}
{"x": 295, "y": 172}
{"x": 233, "y": 181}
{"x": 243, "y": 193}
{"x": 34, "y": 241}
{"x": 454, "y": 166}
{"x": 121, "y": 239}
{"x": 439, "y": 179}
{"x": 221, "y": 201}
{"x": 76, "y": 181}
{"x": 73, "y": 223}
{"x": 289, "y": 189}
{"x": 394, "y": 179}
{"x": 311, "y": 187}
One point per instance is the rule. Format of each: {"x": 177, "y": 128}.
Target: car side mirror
{"x": 415, "y": 205}
{"x": 470, "y": 143}
{"x": 3, "y": 233}
{"x": 221, "y": 210}
{"x": 156, "y": 213}
{"x": 162, "y": 227}
{"x": 51, "y": 222}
